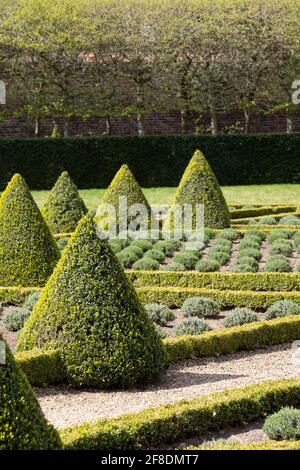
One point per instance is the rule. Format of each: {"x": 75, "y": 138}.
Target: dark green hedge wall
{"x": 155, "y": 160}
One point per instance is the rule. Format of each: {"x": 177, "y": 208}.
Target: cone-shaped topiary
{"x": 199, "y": 185}
{"x": 123, "y": 184}
{"x": 64, "y": 207}
{"x": 90, "y": 311}
{"x": 22, "y": 423}
{"x": 28, "y": 252}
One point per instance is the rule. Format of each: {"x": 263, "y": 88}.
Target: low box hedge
{"x": 246, "y": 220}
{"x": 217, "y": 280}
{"x": 41, "y": 367}
{"x": 260, "y": 211}
{"x": 16, "y": 295}
{"x": 243, "y": 228}
{"x": 266, "y": 445}
{"x": 247, "y": 337}
{"x": 44, "y": 367}
{"x": 170, "y": 423}
{"x": 174, "y": 296}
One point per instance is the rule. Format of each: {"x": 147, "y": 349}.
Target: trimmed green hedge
{"x": 266, "y": 445}
{"x": 173, "y": 296}
{"x": 16, "y": 295}
{"x": 44, "y": 367}
{"x": 230, "y": 340}
{"x": 92, "y": 162}
{"x": 171, "y": 423}
{"x": 217, "y": 280}
{"x": 41, "y": 367}
{"x": 260, "y": 211}
{"x": 246, "y": 220}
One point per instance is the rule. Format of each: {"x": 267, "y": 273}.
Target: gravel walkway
{"x": 64, "y": 406}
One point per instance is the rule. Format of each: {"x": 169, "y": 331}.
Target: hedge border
{"x": 262, "y": 281}
{"x": 170, "y": 423}
{"x": 223, "y": 341}
{"x": 260, "y": 211}
{"x": 245, "y": 220}
{"x": 16, "y": 294}
{"x": 44, "y": 367}
{"x": 93, "y": 161}
{"x": 266, "y": 445}
{"x": 243, "y": 228}
{"x": 173, "y": 296}
{"x": 41, "y": 367}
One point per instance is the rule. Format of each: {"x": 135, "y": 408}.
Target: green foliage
{"x": 199, "y": 185}
{"x": 289, "y": 220}
{"x": 174, "y": 266}
{"x": 248, "y": 260}
{"x": 62, "y": 243}
{"x": 64, "y": 207}
{"x": 222, "y": 257}
{"x": 155, "y": 254}
{"x": 159, "y": 154}
{"x": 207, "y": 265}
{"x": 31, "y": 300}
{"x": 127, "y": 258}
{"x": 240, "y": 316}
{"x": 14, "y": 318}
{"x": 248, "y": 337}
{"x": 285, "y": 424}
{"x": 229, "y": 234}
{"x": 276, "y": 264}
{"x": 249, "y": 243}
{"x": 249, "y": 252}
{"x": 159, "y": 313}
{"x": 278, "y": 247}
{"x": 143, "y": 244}
{"x": 116, "y": 246}
{"x": 28, "y": 252}
{"x": 159, "y": 331}
{"x": 244, "y": 267}
{"x": 187, "y": 258}
{"x": 22, "y": 424}
{"x": 191, "y": 326}
{"x": 278, "y": 234}
{"x": 257, "y": 233}
{"x": 268, "y": 220}
{"x": 123, "y": 185}
{"x": 41, "y": 367}
{"x": 100, "y": 328}
{"x": 146, "y": 264}
{"x": 200, "y": 307}
{"x": 167, "y": 246}
{"x": 172, "y": 423}
{"x": 283, "y": 308}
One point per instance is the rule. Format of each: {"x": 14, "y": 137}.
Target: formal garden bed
{"x": 184, "y": 318}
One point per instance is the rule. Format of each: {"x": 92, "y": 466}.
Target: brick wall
{"x": 154, "y": 123}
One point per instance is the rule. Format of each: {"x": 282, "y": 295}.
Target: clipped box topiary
{"x": 22, "y": 423}
{"x": 90, "y": 312}
{"x": 199, "y": 185}
{"x": 64, "y": 207}
{"x": 28, "y": 252}
{"x": 123, "y": 184}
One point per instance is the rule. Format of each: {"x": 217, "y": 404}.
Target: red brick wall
{"x": 154, "y": 123}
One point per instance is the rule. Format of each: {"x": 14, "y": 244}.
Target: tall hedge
{"x": 199, "y": 185}
{"x": 22, "y": 423}
{"x": 64, "y": 207}
{"x": 28, "y": 252}
{"x": 124, "y": 184}
{"x": 155, "y": 160}
{"x": 89, "y": 310}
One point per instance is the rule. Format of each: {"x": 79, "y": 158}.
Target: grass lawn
{"x": 255, "y": 194}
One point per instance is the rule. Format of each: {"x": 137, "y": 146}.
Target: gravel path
{"x": 64, "y": 406}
